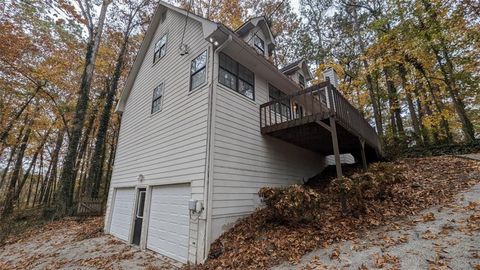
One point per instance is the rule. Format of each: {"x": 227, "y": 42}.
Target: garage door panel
{"x": 169, "y": 221}
{"x": 122, "y": 213}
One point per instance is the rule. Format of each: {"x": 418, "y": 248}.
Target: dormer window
{"x": 301, "y": 80}
{"x": 259, "y": 44}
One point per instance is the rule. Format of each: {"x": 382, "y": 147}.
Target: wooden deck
{"x": 318, "y": 118}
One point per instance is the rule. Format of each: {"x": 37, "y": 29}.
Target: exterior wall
{"x": 257, "y": 31}
{"x": 169, "y": 146}
{"x": 294, "y": 76}
{"x": 244, "y": 160}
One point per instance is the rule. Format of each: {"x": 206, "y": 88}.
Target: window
{"x": 236, "y": 77}
{"x": 198, "y": 71}
{"x": 163, "y": 16}
{"x": 301, "y": 80}
{"x": 157, "y": 98}
{"x": 141, "y": 203}
{"x": 259, "y": 44}
{"x": 284, "y": 106}
{"x": 160, "y": 49}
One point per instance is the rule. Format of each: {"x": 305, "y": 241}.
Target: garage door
{"x": 168, "y": 224}
{"x": 122, "y": 213}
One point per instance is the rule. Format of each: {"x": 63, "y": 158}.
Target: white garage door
{"x": 122, "y": 213}
{"x": 168, "y": 224}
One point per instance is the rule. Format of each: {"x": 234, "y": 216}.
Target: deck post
{"x": 338, "y": 165}
{"x": 336, "y": 150}
{"x": 364, "y": 158}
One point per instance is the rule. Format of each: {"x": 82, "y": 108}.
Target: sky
{"x": 295, "y": 5}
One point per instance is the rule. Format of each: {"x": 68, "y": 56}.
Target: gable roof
{"x": 291, "y": 66}
{"x": 294, "y": 66}
{"x": 260, "y": 21}
{"x": 208, "y": 28}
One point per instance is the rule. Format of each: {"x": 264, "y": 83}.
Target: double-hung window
{"x": 198, "y": 70}
{"x": 236, "y": 77}
{"x": 259, "y": 44}
{"x": 160, "y": 48}
{"x": 157, "y": 98}
{"x": 283, "y": 107}
{"x": 301, "y": 80}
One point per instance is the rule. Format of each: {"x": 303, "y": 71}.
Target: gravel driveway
{"x": 60, "y": 246}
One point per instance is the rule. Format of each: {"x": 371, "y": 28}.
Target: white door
{"x": 168, "y": 225}
{"x": 122, "y": 213}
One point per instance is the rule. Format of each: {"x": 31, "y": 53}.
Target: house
{"x": 195, "y": 144}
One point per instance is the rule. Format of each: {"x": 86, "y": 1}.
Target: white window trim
{"x": 161, "y": 100}
{"x": 166, "y": 47}
{"x": 255, "y": 45}
{"x": 138, "y": 204}
{"x": 190, "y": 89}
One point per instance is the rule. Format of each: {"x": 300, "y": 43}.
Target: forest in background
{"x": 412, "y": 68}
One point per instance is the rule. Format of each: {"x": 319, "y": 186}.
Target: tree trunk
{"x": 8, "y": 128}
{"x": 411, "y": 107}
{"x": 12, "y": 154}
{"x": 39, "y": 179}
{"x": 64, "y": 199}
{"x": 111, "y": 158}
{"x": 424, "y": 131}
{"x": 54, "y": 164}
{"x": 86, "y": 138}
{"x": 448, "y": 71}
{"x": 371, "y": 91}
{"x": 395, "y": 110}
{"x": 467, "y": 126}
{"x": 10, "y": 195}
{"x": 30, "y": 185}
{"x": 27, "y": 173}
{"x": 95, "y": 172}
{"x": 437, "y": 102}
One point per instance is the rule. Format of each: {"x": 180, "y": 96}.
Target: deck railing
{"x": 319, "y": 100}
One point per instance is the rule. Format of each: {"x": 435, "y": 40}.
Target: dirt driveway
{"x": 73, "y": 244}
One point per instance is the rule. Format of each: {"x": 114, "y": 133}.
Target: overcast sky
{"x": 295, "y": 5}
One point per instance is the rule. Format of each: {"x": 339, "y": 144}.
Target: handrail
{"x": 320, "y": 99}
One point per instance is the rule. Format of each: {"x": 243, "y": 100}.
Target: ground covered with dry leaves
{"x": 262, "y": 241}
{"x": 75, "y": 244}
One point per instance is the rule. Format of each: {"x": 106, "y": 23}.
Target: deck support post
{"x": 364, "y": 157}
{"x": 338, "y": 165}
{"x": 336, "y": 150}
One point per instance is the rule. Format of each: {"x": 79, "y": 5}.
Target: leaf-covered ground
{"x": 256, "y": 242}
{"x": 75, "y": 244}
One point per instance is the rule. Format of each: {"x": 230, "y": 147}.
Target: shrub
{"x": 376, "y": 184}
{"x": 291, "y": 204}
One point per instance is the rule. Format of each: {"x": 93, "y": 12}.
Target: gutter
{"x": 210, "y": 150}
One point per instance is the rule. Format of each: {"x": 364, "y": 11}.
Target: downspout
{"x": 210, "y": 149}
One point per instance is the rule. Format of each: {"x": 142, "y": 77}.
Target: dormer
{"x": 298, "y": 71}
{"x": 257, "y": 33}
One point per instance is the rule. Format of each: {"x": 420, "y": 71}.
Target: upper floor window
{"x": 163, "y": 16}
{"x": 198, "y": 70}
{"x": 157, "y": 98}
{"x": 301, "y": 80}
{"x": 236, "y": 77}
{"x": 259, "y": 44}
{"x": 160, "y": 48}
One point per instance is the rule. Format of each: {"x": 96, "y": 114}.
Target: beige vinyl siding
{"x": 245, "y": 161}
{"x": 168, "y": 146}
